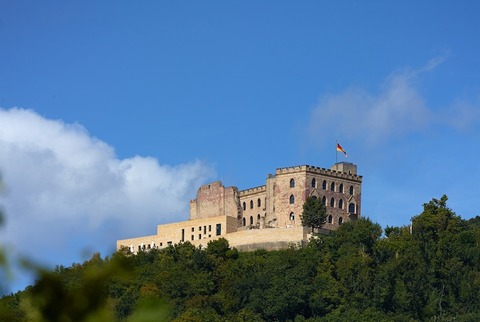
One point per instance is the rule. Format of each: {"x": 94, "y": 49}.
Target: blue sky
{"x": 113, "y": 113}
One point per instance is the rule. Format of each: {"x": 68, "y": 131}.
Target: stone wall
{"x": 269, "y": 238}
{"x": 215, "y": 200}
{"x": 197, "y": 231}
{"x": 246, "y": 240}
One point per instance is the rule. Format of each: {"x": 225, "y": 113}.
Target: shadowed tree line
{"x": 427, "y": 272}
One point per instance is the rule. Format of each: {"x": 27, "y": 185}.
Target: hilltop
{"x": 430, "y": 271}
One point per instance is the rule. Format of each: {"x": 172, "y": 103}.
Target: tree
{"x": 314, "y": 213}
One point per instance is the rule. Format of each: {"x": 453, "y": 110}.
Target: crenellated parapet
{"x": 336, "y": 171}
{"x": 252, "y": 191}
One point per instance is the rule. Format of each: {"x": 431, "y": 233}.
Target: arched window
{"x": 292, "y": 216}
{"x": 251, "y": 204}
{"x": 324, "y": 200}
{"x": 258, "y": 218}
{"x": 292, "y": 183}
{"x": 351, "y": 208}
{"x": 351, "y": 190}
{"x": 332, "y": 186}
{"x": 340, "y": 220}
{"x": 340, "y": 188}
{"x": 314, "y": 197}
{"x": 244, "y": 222}
{"x": 292, "y": 199}
{"x": 330, "y": 219}
{"x": 332, "y": 202}
{"x": 314, "y": 183}
{"x": 244, "y": 206}
{"x": 259, "y": 202}
{"x": 340, "y": 204}
{"x": 324, "y": 185}
{"x": 251, "y": 220}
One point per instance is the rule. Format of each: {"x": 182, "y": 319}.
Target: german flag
{"x": 340, "y": 149}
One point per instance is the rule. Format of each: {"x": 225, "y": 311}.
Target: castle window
{"x": 351, "y": 208}
{"x": 292, "y": 199}
{"x": 244, "y": 206}
{"x": 340, "y": 220}
{"x": 340, "y": 188}
{"x": 193, "y": 237}
{"x": 139, "y": 248}
{"x": 292, "y": 216}
{"x": 183, "y": 235}
{"x": 292, "y": 183}
{"x": 258, "y": 218}
{"x": 219, "y": 229}
{"x": 324, "y": 185}
{"x": 314, "y": 197}
{"x": 148, "y": 246}
{"x": 199, "y": 236}
{"x": 340, "y": 204}
{"x": 209, "y": 228}
{"x": 259, "y": 202}
{"x": 251, "y": 204}
{"x": 332, "y": 202}
{"x": 244, "y": 221}
{"x": 204, "y": 230}
{"x": 351, "y": 190}
{"x": 314, "y": 183}
{"x": 332, "y": 186}
{"x": 330, "y": 219}
{"x": 193, "y": 229}
{"x": 324, "y": 200}
{"x": 251, "y": 220}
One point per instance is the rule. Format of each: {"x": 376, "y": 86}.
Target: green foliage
{"x": 314, "y": 213}
{"x": 353, "y": 274}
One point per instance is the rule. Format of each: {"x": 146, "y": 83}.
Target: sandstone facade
{"x": 267, "y": 216}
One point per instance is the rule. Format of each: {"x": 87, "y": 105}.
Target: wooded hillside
{"x": 359, "y": 273}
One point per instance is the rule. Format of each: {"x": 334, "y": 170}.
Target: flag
{"x": 340, "y": 149}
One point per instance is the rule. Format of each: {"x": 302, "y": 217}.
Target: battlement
{"x": 337, "y": 172}
{"x": 251, "y": 191}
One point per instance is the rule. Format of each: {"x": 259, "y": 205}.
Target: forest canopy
{"x": 427, "y": 271}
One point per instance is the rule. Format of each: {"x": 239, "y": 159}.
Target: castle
{"x": 265, "y": 217}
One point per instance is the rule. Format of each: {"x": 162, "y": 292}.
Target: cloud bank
{"x": 397, "y": 109}
{"x": 66, "y": 190}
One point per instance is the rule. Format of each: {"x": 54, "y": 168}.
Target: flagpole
{"x": 336, "y": 155}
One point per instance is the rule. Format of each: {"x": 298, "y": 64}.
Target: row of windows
{"x": 143, "y": 246}
{"x": 218, "y": 231}
{"x": 152, "y": 245}
{"x": 351, "y": 206}
{"x": 259, "y": 204}
{"x": 244, "y": 220}
{"x": 324, "y": 186}
{"x": 292, "y": 198}
{"x": 330, "y": 218}
{"x": 200, "y": 229}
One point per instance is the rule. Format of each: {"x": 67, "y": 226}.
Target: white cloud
{"x": 63, "y": 185}
{"x": 399, "y": 108}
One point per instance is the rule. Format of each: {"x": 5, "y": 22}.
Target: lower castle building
{"x": 265, "y": 217}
